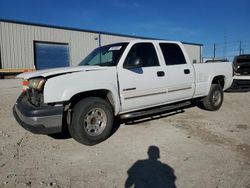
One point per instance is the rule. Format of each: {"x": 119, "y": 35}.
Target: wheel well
{"x": 219, "y": 80}
{"x": 104, "y": 94}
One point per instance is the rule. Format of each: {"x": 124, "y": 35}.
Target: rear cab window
{"x": 172, "y": 54}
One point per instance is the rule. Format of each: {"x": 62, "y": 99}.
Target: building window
{"x": 51, "y": 55}
{"x": 172, "y": 54}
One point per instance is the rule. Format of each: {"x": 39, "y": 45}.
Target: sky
{"x": 221, "y": 22}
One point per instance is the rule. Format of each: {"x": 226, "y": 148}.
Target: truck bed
{"x": 205, "y": 72}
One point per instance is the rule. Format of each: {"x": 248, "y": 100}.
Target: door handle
{"x": 186, "y": 71}
{"x": 160, "y": 73}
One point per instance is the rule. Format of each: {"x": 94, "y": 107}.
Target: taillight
{"x": 25, "y": 84}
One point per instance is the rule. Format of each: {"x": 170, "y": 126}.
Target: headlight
{"x": 37, "y": 83}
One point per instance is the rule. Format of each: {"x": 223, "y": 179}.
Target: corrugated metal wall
{"x": 194, "y": 52}
{"x": 17, "y": 43}
{"x": 108, "y": 39}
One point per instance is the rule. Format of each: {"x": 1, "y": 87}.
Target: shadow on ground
{"x": 66, "y": 135}
{"x": 245, "y": 90}
{"x": 150, "y": 172}
{"x": 238, "y": 90}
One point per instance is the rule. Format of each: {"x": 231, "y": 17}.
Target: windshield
{"x": 105, "y": 56}
{"x": 243, "y": 60}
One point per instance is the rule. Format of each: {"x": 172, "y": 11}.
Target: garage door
{"x": 51, "y": 55}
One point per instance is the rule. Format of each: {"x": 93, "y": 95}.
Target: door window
{"x": 145, "y": 52}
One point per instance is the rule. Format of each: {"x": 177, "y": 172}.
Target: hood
{"x": 58, "y": 71}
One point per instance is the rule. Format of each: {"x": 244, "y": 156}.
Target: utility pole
{"x": 225, "y": 43}
{"x": 214, "y": 50}
{"x": 240, "y": 48}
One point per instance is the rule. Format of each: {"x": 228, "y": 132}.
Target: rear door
{"x": 141, "y": 87}
{"x": 179, "y": 74}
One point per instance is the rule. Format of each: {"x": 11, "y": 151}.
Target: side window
{"x": 146, "y": 52}
{"x": 172, "y": 54}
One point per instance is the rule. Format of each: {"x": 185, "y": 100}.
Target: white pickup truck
{"x": 125, "y": 80}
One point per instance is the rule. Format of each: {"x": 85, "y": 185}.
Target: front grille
{"x": 35, "y": 97}
{"x": 243, "y": 72}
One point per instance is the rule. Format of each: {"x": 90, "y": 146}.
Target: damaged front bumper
{"x": 39, "y": 120}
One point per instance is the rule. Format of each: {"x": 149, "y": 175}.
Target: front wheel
{"x": 214, "y": 99}
{"x": 92, "y": 121}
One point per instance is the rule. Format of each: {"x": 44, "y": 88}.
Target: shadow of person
{"x": 151, "y": 172}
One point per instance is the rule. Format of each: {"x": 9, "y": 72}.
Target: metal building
{"x": 35, "y": 46}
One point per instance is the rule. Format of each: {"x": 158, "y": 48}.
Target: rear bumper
{"x": 39, "y": 120}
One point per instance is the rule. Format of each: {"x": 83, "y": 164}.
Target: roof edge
{"x": 85, "y": 30}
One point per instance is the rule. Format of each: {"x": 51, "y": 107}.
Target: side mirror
{"x": 133, "y": 62}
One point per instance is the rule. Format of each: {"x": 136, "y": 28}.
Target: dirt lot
{"x": 197, "y": 149}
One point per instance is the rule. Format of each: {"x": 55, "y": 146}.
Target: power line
{"x": 228, "y": 48}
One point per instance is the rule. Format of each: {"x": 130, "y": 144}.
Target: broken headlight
{"x": 36, "y": 83}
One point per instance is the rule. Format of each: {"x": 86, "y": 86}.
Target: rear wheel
{"x": 214, "y": 99}
{"x": 92, "y": 121}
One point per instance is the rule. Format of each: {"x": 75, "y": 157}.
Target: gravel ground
{"x": 197, "y": 149}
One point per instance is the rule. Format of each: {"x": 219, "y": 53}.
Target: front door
{"x": 144, "y": 86}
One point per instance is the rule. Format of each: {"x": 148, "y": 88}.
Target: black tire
{"x": 214, "y": 99}
{"x": 92, "y": 121}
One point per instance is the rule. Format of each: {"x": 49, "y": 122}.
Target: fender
{"x": 64, "y": 87}
{"x": 226, "y": 74}
{"x": 210, "y": 81}
{"x": 70, "y": 92}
